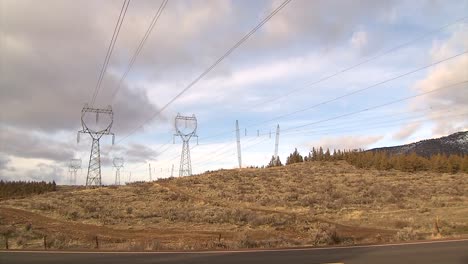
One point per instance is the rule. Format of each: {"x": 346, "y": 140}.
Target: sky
{"x": 336, "y": 74}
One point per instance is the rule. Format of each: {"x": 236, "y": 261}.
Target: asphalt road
{"x": 444, "y": 252}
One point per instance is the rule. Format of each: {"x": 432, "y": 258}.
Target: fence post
{"x": 45, "y": 242}
{"x": 97, "y": 242}
{"x": 219, "y": 237}
{"x": 6, "y": 241}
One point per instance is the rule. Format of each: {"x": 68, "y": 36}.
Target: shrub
{"x": 324, "y": 234}
{"x": 406, "y": 234}
{"x": 129, "y": 210}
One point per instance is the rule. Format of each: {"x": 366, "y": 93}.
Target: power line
{"x": 347, "y": 94}
{"x": 397, "y": 122}
{"x": 365, "y": 88}
{"x": 386, "y": 124}
{"x": 209, "y": 69}
{"x": 351, "y": 121}
{"x": 218, "y": 155}
{"x": 391, "y": 79}
{"x": 222, "y": 152}
{"x": 354, "y": 92}
{"x": 388, "y": 51}
{"x": 110, "y": 49}
{"x": 140, "y": 46}
{"x": 377, "y": 106}
{"x": 221, "y": 155}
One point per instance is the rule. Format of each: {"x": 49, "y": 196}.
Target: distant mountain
{"x": 456, "y": 143}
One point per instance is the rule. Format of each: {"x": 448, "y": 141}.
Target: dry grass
{"x": 301, "y": 204}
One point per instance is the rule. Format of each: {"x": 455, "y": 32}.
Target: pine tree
{"x": 274, "y": 162}
{"x": 294, "y": 157}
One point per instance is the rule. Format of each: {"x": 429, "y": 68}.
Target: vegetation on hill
{"x": 454, "y": 144}
{"x": 306, "y": 203}
{"x": 13, "y": 189}
{"x": 383, "y": 160}
{"x": 294, "y": 157}
{"x": 274, "y": 162}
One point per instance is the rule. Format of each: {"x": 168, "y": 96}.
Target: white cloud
{"x": 406, "y": 131}
{"x": 51, "y": 54}
{"x": 445, "y": 74}
{"x": 311, "y": 19}
{"x": 359, "y": 40}
{"x": 346, "y": 142}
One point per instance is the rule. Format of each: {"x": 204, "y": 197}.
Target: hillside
{"x": 456, "y": 144}
{"x": 313, "y": 203}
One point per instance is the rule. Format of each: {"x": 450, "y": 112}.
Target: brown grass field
{"x": 305, "y": 204}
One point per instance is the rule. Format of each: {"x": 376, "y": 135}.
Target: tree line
{"x": 9, "y": 189}
{"x": 382, "y": 160}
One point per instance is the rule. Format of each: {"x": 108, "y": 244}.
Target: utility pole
{"x": 239, "y": 156}
{"x": 75, "y": 165}
{"x": 277, "y": 141}
{"x": 94, "y": 167}
{"x": 149, "y": 169}
{"x": 172, "y": 171}
{"x": 118, "y": 164}
{"x": 186, "y": 128}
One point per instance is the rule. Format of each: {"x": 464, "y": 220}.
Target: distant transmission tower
{"x": 277, "y": 141}
{"x": 118, "y": 164}
{"x": 149, "y": 170}
{"x": 74, "y": 166}
{"x": 239, "y": 156}
{"x": 94, "y": 167}
{"x": 186, "y": 128}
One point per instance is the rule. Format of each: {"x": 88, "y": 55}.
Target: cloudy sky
{"x": 314, "y": 69}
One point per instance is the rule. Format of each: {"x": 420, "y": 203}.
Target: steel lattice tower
{"x": 118, "y": 164}
{"x": 75, "y": 165}
{"x": 93, "y": 177}
{"x": 186, "y": 128}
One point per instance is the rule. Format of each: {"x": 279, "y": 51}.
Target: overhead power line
{"x": 409, "y": 120}
{"x": 388, "y": 51}
{"x": 110, "y": 49}
{"x": 378, "y": 106}
{"x": 231, "y": 152}
{"x": 390, "y": 123}
{"x": 344, "y": 95}
{"x": 365, "y": 88}
{"x": 209, "y": 69}
{"x": 140, "y": 46}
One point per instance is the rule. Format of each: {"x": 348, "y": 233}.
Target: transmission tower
{"x": 239, "y": 156}
{"x": 74, "y": 166}
{"x": 118, "y": 164}
{"x": 94, "y": 167}
{"x": 186, "y": 128}
{"x": 149, "y": 169}
{"x": 277, "y": 141}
